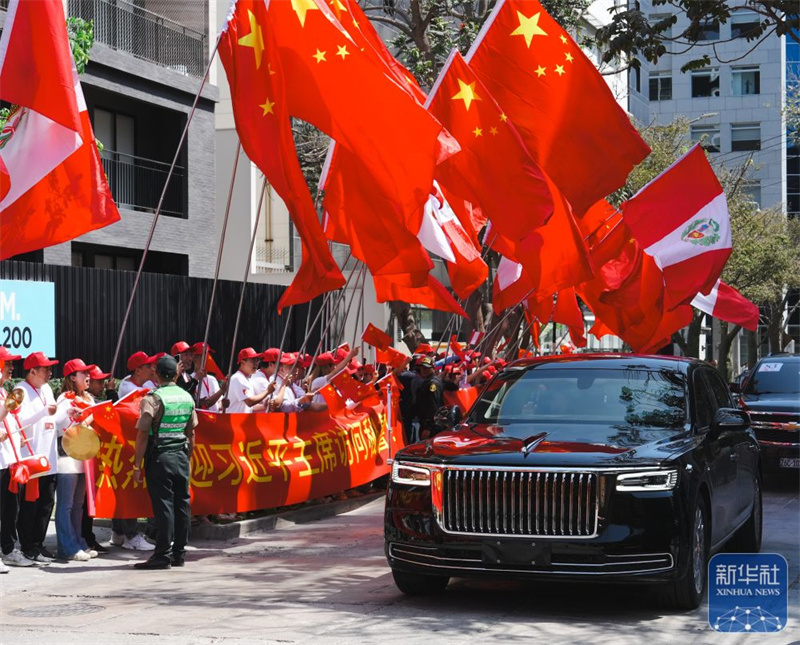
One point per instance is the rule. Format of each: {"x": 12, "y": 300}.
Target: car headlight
{"x": 410, "y": 475}
{"x": 647, "y": 480}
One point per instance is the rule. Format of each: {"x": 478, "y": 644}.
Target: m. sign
{"x": 28, "y": 316}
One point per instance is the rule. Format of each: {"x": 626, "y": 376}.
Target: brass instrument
{"x": 14, "y": 400}
{"x": 81, "y": 442}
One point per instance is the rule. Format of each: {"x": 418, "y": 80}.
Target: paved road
{"x": 327, "y": 582}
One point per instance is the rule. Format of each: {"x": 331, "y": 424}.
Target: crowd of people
{"x": 35, "y": 420}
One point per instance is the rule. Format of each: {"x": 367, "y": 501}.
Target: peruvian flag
{"x": 52, "y": 185}
{"x": 726, "y": 303}
{"x": 475, "y": 337}
{"x": 681, "y": 219}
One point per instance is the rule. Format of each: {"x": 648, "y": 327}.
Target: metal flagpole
{"x": 157, "y": 214}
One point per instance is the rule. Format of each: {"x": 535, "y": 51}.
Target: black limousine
{"x": 604, "y": 467}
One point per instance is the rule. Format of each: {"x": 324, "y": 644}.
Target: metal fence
{"x": 137, "y": 183}
{"x": 90, "y": 305}
{"x": 144, "y": 34}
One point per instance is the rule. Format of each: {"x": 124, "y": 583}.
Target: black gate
{"x": 90, "y": 306}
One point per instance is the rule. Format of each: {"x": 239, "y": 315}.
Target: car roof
{"x": 609, "y": 361}
{"x": 779, "y": 358}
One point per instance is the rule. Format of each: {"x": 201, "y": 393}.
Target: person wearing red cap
{"x": 328, "y": 370}
{"x": 70, "y": 484}
{"x": 289, "y": 397}
{"x": 40, "y": 415}
{"x": 140, "y": 366}
{"x": 209, "y": 390}
{"x": 9, "y": 502}
{"x": 183, "y": 353}
{"x": 263, "y": 377}
{"x": 241, "y": 396}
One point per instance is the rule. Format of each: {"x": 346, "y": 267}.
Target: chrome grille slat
{"x": 520, "y": 502}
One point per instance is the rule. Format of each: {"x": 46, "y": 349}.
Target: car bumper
{"x": 779, "y": 457}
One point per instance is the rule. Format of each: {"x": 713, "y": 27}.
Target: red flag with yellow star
{"x": 493, "y": 168}
{"x": 260, "y": 107}
{"x": 559, "y": 102}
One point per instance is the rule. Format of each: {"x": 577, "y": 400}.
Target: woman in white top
{"x": 71, "y": 484}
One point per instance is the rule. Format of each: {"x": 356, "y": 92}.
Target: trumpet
{"x": 14, "y": 400}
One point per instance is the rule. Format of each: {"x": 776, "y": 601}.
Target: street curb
{"x": 224, "y": 532}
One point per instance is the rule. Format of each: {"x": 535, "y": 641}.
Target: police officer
{"x": 164, "y": 443}
{"x": 429, "y": 398}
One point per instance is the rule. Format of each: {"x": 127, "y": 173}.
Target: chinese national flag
{"x": 391, "y": 357}
{"x": 260, "y": 107}
{"x": 376, "y": 337}
{"x": 569, "y": 119}
{"x": 568, "y": 312}
{"x": 493, "y": 168}
{"x": 432, "y": 295}
{"x": 52, "y": 185}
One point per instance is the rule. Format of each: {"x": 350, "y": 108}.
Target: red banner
{"x": 245, "y": 462}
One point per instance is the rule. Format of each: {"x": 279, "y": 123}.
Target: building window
{"x": 708, "y": 30}
{"x": 745, "y": 136}
{"x": 98, "y": 256}
{"x": 636, "y": 81}
{"x": 660, "y": 86}
{"x": 707, "y": 136}
{"x": 660, "y": 17}
{"x": 745, "y": 81}
{"x": 705, "y": 82}
{"x": 752, "y": 189}
{"x": 744, "y": 24}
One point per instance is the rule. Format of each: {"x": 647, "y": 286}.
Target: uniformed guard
{"x": 429, "y": 398}
{"x": 164, "y": 443}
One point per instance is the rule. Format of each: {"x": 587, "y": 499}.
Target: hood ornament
{"x": 531, "y": 443}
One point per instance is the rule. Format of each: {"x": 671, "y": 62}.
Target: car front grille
{"x": 502, "y": 502}
{"x": 776, "y": 427}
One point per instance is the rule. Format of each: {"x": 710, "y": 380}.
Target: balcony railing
{"x": 136, "y": 183}
{"x": 144, "y": 34}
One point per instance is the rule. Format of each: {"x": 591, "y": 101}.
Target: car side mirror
{"x": 729, "y": 419}
{"x": 735, "y": 388}
{"x": 455, "y": 416}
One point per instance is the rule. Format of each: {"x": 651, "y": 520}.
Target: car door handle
{"x": 734, "y": 456}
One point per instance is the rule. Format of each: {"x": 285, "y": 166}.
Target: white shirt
{"x": 41, "y": 428}
{"x": 239, "y": 389}
{"x": 66, "y": 464}
{"x": 208, "y": 387}
{"x": 9, "y": 424}
{"x": 260, "y": 382}
{"x": 126, "y": 386}
{"x": 317, "y": 384}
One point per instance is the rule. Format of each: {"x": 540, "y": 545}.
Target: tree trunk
{"x": 726, "y": 338}
{"x": 412, "y": 336}
{"x": 474, "y": 309}
{"x": 693, "y": 330}
{"x": 752, "y": 348}
{"x": 775, "y": 326}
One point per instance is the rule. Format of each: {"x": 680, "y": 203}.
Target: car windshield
{"x": 775, "y": 377}
{"x": 630, "y": 397}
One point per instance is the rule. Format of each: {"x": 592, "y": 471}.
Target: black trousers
{"x": 168, "y": 484}
{"x": 9, "y": 511}
{"x": 35, "y": 516}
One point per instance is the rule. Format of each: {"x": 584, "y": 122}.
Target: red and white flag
{"x": 726, "y": 303}
{"x": 475, "y": 337}
{"x": 681, "y": 219}
{"x": 52, "y": 184}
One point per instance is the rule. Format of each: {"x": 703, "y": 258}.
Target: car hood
{"x": 772, "y": 402}
{"x": 540, "y": 445}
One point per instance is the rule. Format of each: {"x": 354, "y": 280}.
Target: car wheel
{"x": 748, "y": 538}
{"x": 416, "y": 584}
{"x": 687, "y": 591}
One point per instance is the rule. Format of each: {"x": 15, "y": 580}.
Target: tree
{"x": 633, "y": 35}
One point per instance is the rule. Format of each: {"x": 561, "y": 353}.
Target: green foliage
{"x": 81, "y": 39}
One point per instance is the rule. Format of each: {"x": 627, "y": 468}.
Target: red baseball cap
{"x": 244, "y": 354}
{"x": 197, "y": 348}
{"x": 5, "y": 355}
{"x": 288, "y": 358}
{"x": 423, "y": 348}
{"x": 271, "y": 355}
{"x": 140, "y": 358}
{"x": 37, "y": 359}
{"x": 369, "y": 368}
{"x": 96, "y": 375}
{"x": 305, "y": 361}
{"x": 325, "y": 359}
{"x": 77, "y": 365}
{"x": 180, "y": 347}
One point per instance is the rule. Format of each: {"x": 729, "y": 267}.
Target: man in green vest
{"x": 164, "y": 445}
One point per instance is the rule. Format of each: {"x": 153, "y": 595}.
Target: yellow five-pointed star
{"x": 477, "y": 132}
{"x": 320, "y": 56}
{"x": 528, "y": 27}
{"x": 466, "y": 93}
{"x": 267, "y": 107}
{"x": 342, "y": 51}
{"x": 563, "y": 38}
{"x": 503, "y": 118}
{"x": 302, "y": 7}
{"x": 569, "y": 57}
{"x": 271, "y": 71}
{"x": 540, "y": 71}
{"x": 254, "y": 39}
{"x": 493, "y": 131}
{"x": 337, "y": 4}
{"x": 559, "y": 70}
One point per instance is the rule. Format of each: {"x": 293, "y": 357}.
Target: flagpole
{"x": 157, "y": 214}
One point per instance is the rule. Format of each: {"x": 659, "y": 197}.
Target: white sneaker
{"x": 81, "y": 556}
{"x": 16, "y": 559}
{"x": 91, "y": 553}
{"x": 4, "y": 568}
{"x": 138, "y": 543}
{"x": 117, "y": 539}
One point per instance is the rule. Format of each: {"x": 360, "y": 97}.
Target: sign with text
{"x": 28, "y": 316}
{"x": 747, "y": 592}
